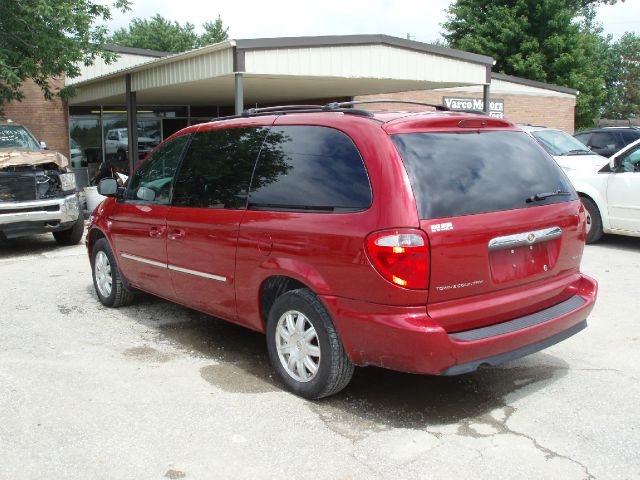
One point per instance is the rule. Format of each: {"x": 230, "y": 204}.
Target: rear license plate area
{"x": 523, "y": 261}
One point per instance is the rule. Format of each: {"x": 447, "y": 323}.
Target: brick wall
{"x": 47, "y": 120}
{"x": 553, "y": 112}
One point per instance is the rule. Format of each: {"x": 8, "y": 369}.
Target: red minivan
{"x": 431, "y": 242}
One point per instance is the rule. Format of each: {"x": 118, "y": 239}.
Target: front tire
{"x": 594, "y": 220}
{"x": 73, "y": 235}
{"x": 304, "y": 346}
{"x": 107, "y": 280}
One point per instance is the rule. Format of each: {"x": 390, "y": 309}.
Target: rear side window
{"x": 630, "y": 136}
{"x": 456, "y": 174}
{"x": 217, "y": 168}
{"x": 309, "y": 168}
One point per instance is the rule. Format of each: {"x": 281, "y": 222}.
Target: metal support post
{"x": 132, "y": 125}
{"x": 486, "y": 98}
{"x": 239, "y": 96}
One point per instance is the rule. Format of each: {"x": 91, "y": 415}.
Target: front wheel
{"x": 304, "y": 346}
{"x": 594, "y": 220}
{"x": 111, "y": 289}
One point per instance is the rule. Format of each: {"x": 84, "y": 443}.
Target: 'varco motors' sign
{"x": 496, "y": 107}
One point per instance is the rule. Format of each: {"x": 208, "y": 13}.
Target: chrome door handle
{"x": 156, "y": 232}
{"x": 176, "y": 234}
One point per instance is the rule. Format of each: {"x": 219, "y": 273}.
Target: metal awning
{"x": 283, "y": 70}
{"x": 288, "y": 69}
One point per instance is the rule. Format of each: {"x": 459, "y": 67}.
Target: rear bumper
{"x": 407, "y": 339}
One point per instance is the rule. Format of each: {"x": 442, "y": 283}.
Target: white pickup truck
{"x": 116, "y": 144}
{"x": 37, "y": 189}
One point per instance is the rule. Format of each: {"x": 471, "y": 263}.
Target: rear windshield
{"x": 456, "y": 174}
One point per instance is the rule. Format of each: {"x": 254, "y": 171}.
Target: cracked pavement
{"x": 155, "y": 390}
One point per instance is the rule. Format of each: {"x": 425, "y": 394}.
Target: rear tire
{"x": 594, "y": 220}
{"x": 304, "y": 346}
{"x": 107, "y": 280}
{"x": 73, "y": 235}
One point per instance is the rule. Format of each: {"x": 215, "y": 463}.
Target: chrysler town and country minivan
{"x": 431, "y": 242}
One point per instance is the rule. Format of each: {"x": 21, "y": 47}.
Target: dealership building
{"x": 160, "y": 93}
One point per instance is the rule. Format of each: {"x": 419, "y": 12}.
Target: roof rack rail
{"x": 477, "y": 112}
{"x": 341, "y": 107}
{"x": 437, "y": 106}
{"x": 284, "y": 109}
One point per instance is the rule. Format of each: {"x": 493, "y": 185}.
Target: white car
{"x": 610, "y": 193}
{"x": 567, "y": 151}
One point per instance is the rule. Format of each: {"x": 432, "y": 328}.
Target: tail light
{"x": 401, "y": 256}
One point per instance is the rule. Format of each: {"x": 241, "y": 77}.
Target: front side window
{"x": 217, "y": 168}
{"x": 152, "y": 182}
{"x": 309, "y": 168}
{"x": 631, "y": 160}
{"x": 606, "y": 140}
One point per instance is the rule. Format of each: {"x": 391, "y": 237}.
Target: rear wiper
{"x": 544, "y": 195}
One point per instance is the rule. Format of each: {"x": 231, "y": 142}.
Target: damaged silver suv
{"x": 37, "y": 189}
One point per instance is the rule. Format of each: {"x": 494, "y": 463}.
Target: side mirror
{"x": 108, "y": 187}
{"x": 614, "y": 163}
{"x": 146, "y": 194}
{"x": 43, "y": 146}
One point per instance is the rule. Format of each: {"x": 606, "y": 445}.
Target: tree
{"x": 159, "y": 33}
{"x": 40, "y": 39}
{"x": 622, "y": 78}
{"x": 553, "y": 41}
{"x": 214, "y": 32}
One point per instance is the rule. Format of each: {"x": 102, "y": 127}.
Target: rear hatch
{"x": 505, "y": 227}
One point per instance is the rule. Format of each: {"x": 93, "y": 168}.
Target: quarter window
{"x": 217, "y": 168}
{"x": 152, "y": 182}
{"x": 309, "y": 168}
{"x": 630, "y": 136}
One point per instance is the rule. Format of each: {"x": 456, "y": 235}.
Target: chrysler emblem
{"x": 531, "y": 237}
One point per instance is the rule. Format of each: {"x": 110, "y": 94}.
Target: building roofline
{"x": 144, "y": 52}
{"x": 533, "y": 83}
{"x": 346, "y": 40}
{"x": 169, "y": 58}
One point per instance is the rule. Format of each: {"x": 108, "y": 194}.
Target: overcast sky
{"x": 281, "y": 18}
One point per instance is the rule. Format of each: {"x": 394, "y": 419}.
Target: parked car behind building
{"x": 608, "y": 140}
{"x": 431, "y": 242}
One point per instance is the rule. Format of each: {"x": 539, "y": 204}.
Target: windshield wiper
{"x": 578, "y": 151}
{"x": 538, "y": 197}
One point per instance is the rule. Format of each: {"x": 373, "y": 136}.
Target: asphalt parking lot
{"x": 155, "y": 390}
